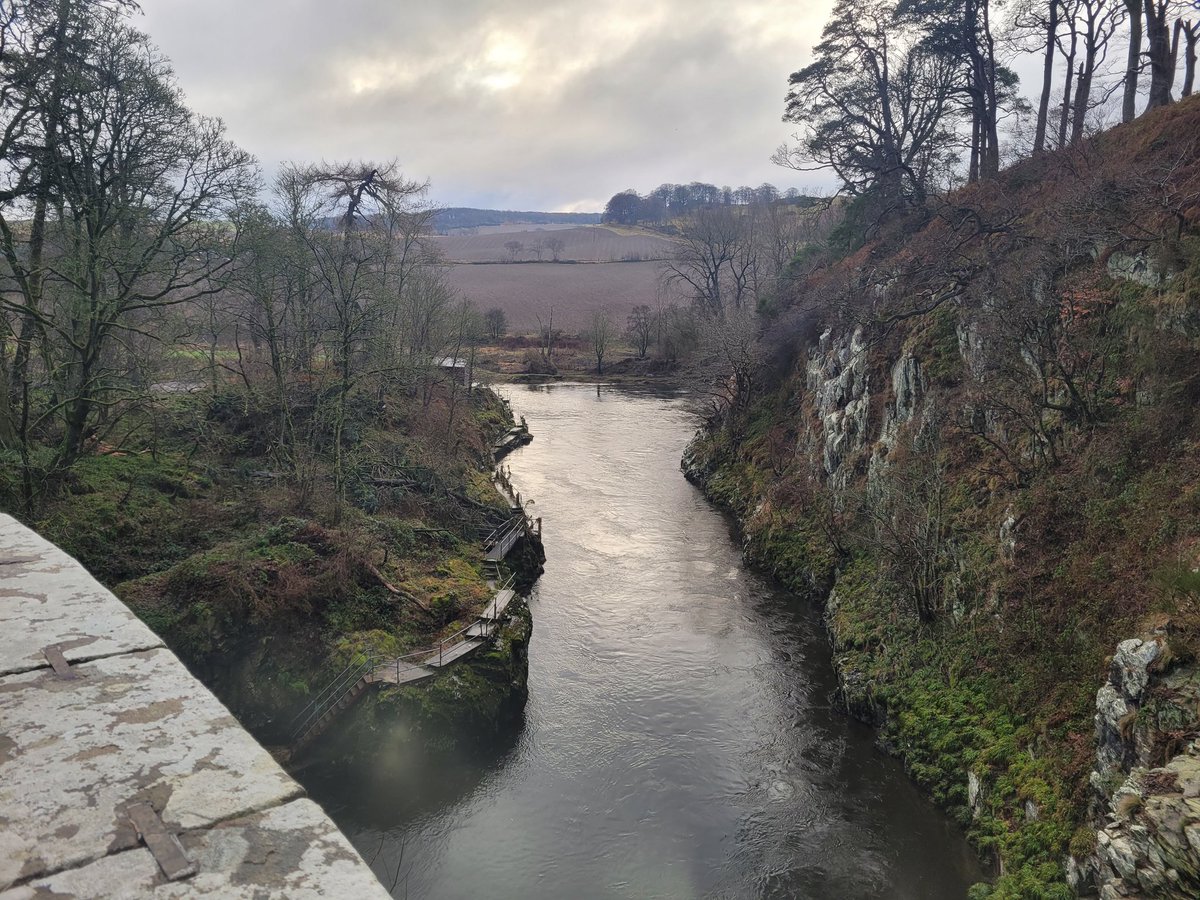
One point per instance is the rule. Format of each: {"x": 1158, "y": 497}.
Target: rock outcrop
{"x": 1146, "y": 778}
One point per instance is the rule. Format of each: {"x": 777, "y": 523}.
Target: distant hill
{"x": 465, "y": 217}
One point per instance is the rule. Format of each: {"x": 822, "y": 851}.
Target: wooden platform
{"x": 511, "y": 440}
{"x": 507, "y": 541}
{"x": 495, "y": 610}
{"x": 405, "y": 673}
{"x": 480, "y": 630}
{"x": 452, "y": 654}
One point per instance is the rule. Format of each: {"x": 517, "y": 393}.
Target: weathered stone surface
{"x": 47, "y": 598}
{"x": 290, "y": 851}
{"x": 1130, "y": 666}
{"x": 1117, "y": 702}
{"x": 130, "y": 727}
{"x": 837, "y": 374}
{"x": 124, "y": 723}
{"x": 1136, "y": 267}
{"x": 1150, "y": 844}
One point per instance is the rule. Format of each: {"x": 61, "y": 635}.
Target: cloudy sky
{"x": 519, "y": 104}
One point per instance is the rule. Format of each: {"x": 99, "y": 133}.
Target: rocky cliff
{"x": 984, "y": 466}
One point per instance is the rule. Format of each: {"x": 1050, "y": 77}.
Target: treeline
{"x": 907, "y": 97}
{"x": 671, "y": 201}
{"x": 141, "y": 249}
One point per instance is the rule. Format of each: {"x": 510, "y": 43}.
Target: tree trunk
{"x": 1083, "y": 90}
{"x": 19, "y": 376}
{"x": 1064, "y": 117}
{"x": 1191, "y": 33}
{"x": 1133, "y": 64}
{"x": 991, "y": 159}
{"x": 1039, "y": 140}
{"x": 1162, "y": 61}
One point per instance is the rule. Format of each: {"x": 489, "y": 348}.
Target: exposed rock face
{"x": 1135, "y": 267}
{"x": 838, "y": 378}
{"x": 1117, "y": 702}
{"x": 1147, "y": 785}
{"x": 1150, "y": 845}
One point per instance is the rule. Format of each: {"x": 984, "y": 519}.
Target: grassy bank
{"x": 264, "y": 585}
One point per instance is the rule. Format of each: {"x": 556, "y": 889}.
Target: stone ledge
{"x": 124, "y": 723}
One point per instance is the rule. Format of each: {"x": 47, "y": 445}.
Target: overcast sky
{"x": 518, "y": 104}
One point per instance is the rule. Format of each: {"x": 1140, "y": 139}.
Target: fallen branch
{"x": 392, "y": 589}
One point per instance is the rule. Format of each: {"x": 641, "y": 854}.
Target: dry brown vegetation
{"x": 1055, "y": 392}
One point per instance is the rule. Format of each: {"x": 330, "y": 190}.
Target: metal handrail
{"x": 321, "y": 694}
{"x": 501, "y": 532}
{"x": 331, "y": 695}
{"x": 424, "y": 651}
{"x": 345, "y": 680}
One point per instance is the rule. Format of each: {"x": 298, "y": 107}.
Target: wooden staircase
{"x": 352, "y": 682}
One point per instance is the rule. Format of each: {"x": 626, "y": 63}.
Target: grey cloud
{"x": 514, "y": 103}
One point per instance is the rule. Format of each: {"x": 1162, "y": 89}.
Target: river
{"x": 678, "y": 740}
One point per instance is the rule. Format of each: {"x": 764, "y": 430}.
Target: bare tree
{"x": 640, "y": 326}
{"x": 1096, "y": 21}
{"x": 1160, "y": 51}
{"x": 727, "y": 363}
{"x": 706, "y": 250}
{"x": 601, "y": 334}
{"x": 555, "y": 245}
{"x": 515, "y": 249}
{"x": 1191, "y": 33}
{"x": 1042, "y": 17}
{"x": 496, "y": 323}
{"x": 546, "y": 333}
{"x": 1133, "y": 64}
{"x": 139, "y": 184}
{"x": 352, "y": 265}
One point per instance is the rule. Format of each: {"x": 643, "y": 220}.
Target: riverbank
{"x": 264, "y": 586}
{"x": 992, "y": 493}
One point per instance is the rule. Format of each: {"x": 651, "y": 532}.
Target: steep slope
{"x": 979, "y": 449}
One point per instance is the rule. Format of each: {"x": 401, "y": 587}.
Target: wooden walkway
{"x": 410, "y": 669}
{"x": 422, "y": 665}
{"x": 500, "y": 543}
{"x": 515, "y": 437}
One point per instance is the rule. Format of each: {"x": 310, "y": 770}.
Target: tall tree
{"x": 872, "y": 105}
{"x": 640, "y": 327}
{"x": 1050, "y": 25}
{"x": 1097, "y": 21}
{"x": 1191, "y": 33}
{"x": 601, "y": 333}
{"x": 356, "y": 267}
{"x": 1160, "y": 51}
{"x": 961, "y": 32}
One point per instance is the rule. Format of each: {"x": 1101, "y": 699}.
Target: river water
{"x": 678, "y": 740}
